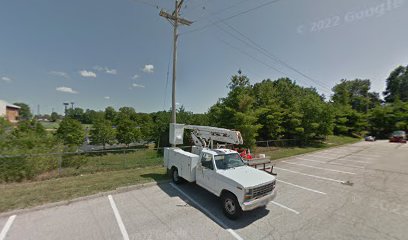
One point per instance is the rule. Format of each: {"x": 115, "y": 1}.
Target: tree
{"x": 76, "y": 113}
{"x": 387, "y": 118}
{"x": 4, "y": 126}
{"x": 24, "y": 112}
{"x": 236, "y": 111}
{"x": 354, "y": 93}
{"x": 54, "y": 117}
{"x": 127, "y": 131}
{"x": 348, "y": 121}
{"x": 397, "y": 85}
{"x": 102, "y": 132}
{"x": 30, "y": 126}
{"x": 288, "y": 110}
{"x": 145, "y": 123}
{"x": 160, "y": 130}
{"x": 71, "y": 132}
{"x": 92, "y": 116}
{"x": 110, "y": 114}
{"x": 374, "y": 99}
{"x": 352, "y": 101}
{"x": 126, "y": 112}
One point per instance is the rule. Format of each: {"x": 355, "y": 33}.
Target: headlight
{"x": 248, "y": 194}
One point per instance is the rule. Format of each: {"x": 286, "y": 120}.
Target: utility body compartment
{"x": 185, "y": 162}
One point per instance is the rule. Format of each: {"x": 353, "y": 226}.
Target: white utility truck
{"x": 221, "y": 171}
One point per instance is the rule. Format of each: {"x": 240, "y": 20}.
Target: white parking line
{"x": 340, "y": 158}
{"x": 348, "y": 160}
{"x": 118, "y": 218}
{"x": 283, "y": 206}
{"x": 335, "y": 154}
{"x": 221, "y": 223}
{"x": 359, "y": 157}
{"x": 6, "y": 227}
{"x": 304, "y": 188}
{"x": 323, "y": 157}
{"x": 327, "y": 169}
{"x": 366, "y": 155}
{"x": 332, "y": 163}
{"x": 310, "y": 175}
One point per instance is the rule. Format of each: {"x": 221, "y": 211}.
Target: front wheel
{"x": 175, "y": 176}
{"x": 230, "y": 206}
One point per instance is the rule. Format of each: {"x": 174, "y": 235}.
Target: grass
{"x": 111, "y": 161}
{"x": 29, "y": 194}
{"x": 50, "y": 125}
{"x": 113, "y": 171}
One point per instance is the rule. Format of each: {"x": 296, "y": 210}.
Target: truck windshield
{"x": 227, "y": 161}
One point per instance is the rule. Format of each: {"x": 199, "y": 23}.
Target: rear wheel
{"x": 175, "y": 175}
{"x": 230, "y": 206}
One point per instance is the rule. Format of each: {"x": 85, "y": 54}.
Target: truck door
{"x": 205, "y": 173}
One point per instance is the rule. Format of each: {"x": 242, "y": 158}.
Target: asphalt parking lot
{"x": 356, "y": 191}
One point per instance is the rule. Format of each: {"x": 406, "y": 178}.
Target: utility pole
{"x": 175, "y": 20}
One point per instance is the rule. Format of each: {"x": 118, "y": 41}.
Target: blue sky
{"x": 89, "y": 51}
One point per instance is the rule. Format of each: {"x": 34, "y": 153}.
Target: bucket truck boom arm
{"x": 204, "y": 136}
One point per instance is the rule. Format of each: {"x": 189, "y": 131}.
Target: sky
{"x": 99, "y": 53}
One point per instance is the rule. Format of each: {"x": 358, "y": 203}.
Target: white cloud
{"x": 98, "y": 68}
{"x": 66, "y": 90}
{"x": 85, "y": 73}
{"x": 135, "y": 85}
{"x": 177, "y": 103}
{"x": 107, "y": 97}
{"x": 111, "y": 71}
{"x": 59, "y": 74}
{"x": 106, "y": 70}
{"x": 135, "y": 76}
{"x": 6, "y": 79}
{"x": 149, "y": 68}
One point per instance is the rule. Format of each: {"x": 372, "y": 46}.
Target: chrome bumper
{"x": 263, "y": 201}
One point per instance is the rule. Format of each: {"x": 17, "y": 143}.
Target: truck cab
{"x": 223, "y": 173}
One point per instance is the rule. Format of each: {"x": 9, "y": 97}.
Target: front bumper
{"x": 263, "y": 201}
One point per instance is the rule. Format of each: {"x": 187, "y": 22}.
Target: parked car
{"x": 399, "y": 137}
{"x": 370, "y": 138}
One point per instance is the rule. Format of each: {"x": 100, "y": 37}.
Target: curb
{"x": 89, "y": 197}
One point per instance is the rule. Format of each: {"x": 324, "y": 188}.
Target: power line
{"x": 230, "y": 17}
{"x": 268, "y": 54}
{"x": 192, "y": 6}
{"x": 147, "y": 3}
{"x": 220, "y": 11}
{"x": 249, "y": 55}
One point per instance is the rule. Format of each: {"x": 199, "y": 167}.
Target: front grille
{"x": 263, "y": 190}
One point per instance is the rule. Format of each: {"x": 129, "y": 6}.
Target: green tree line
{"x": 270, "y": 109}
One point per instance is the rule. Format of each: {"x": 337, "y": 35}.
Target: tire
{"x": 175, "y": 176}
{"x": 230, "y": 206}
